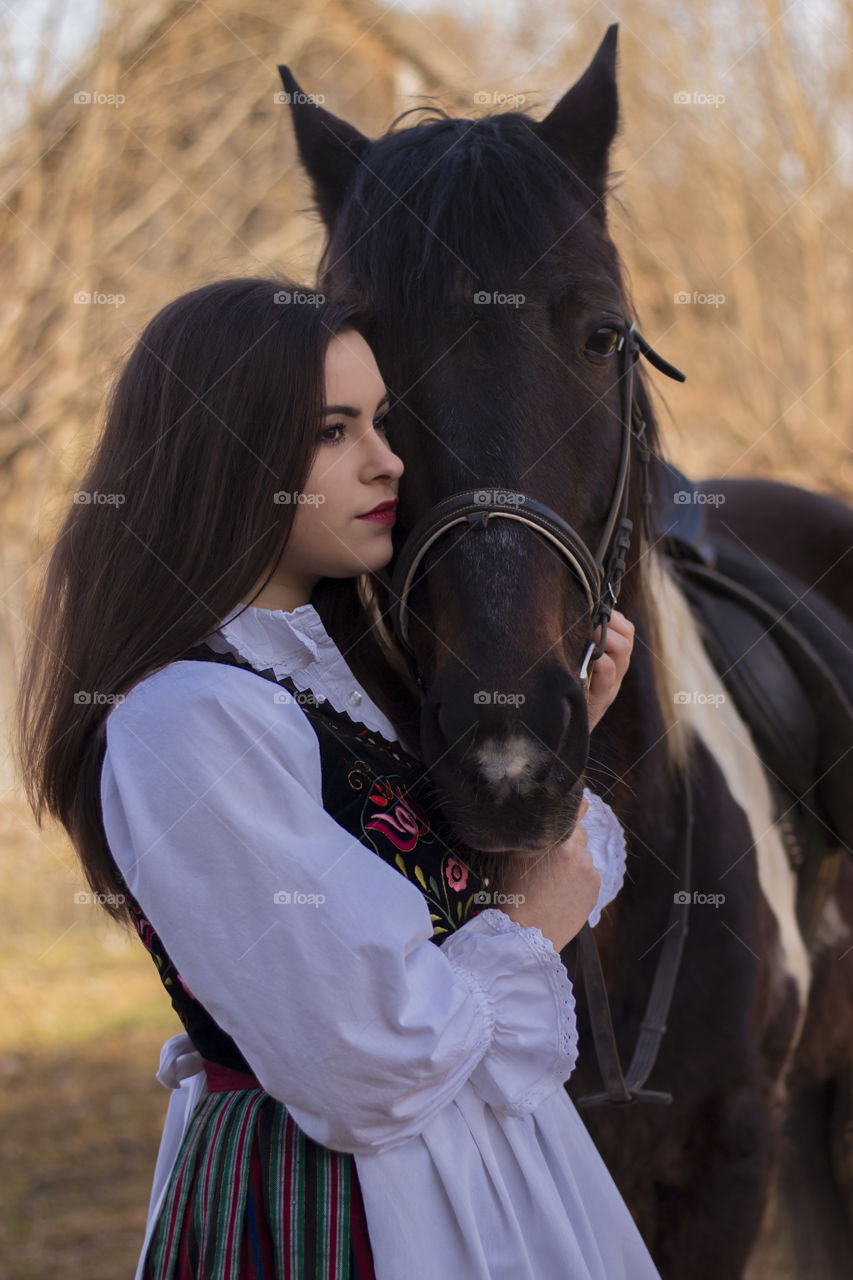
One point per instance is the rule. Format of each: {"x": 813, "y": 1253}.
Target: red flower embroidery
{"x": 403, "y": 824}
{"x": 456, "y": 874}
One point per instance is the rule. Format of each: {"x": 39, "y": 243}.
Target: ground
{"x": 82, "y": 1018}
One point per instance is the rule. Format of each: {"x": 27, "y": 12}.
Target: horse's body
{"x": 519, "y": 394}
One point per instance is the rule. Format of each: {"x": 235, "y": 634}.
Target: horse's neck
{"x": 672, "y": 699}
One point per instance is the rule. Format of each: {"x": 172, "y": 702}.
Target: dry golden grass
{"x": 80, "y": 1128}
{"x": 82, "y": 1018}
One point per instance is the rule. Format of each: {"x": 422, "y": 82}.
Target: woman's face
{"x": 354, "y": 470}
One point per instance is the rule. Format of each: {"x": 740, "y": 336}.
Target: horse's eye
{"x": 602, "y": 342}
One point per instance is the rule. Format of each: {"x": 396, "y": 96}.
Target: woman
{"x": 375, "y": 1054}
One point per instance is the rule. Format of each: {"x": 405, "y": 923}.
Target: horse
{"x": 536, "y": 493}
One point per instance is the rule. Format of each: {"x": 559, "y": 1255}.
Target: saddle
{"x": 789, "y": 672}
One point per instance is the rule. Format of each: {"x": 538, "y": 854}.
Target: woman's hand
{"x": 558, "y": 890}
{"x": 609, "y": 670}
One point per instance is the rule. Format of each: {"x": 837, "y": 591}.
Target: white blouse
{"x": 440, "y": 1068}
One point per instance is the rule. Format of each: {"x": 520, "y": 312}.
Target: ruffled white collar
{"x": 284, "y": 640}
{"x": 296, "y": 643}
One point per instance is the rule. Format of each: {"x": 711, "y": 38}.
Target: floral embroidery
{"x": 456, "y": 874}
{"x": 359, "y": 775}
{"x": 389, "y": 814}
{"x": 403, "y": 824}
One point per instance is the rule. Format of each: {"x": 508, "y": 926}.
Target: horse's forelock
{"x": 450, "y": 194}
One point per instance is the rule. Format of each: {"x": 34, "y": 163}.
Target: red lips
{"x": 383, "y": 514}
{"x": 383, "y": 506}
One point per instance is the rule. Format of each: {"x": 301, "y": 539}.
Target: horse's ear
{"x": 583, "y": 124}
{"x": 329, "y": 148}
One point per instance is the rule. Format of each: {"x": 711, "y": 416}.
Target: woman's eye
{"x": 380, "y": 424}
{"x": 603, "y": 342}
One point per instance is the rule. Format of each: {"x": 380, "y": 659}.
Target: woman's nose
{"x": 390, "y": 462}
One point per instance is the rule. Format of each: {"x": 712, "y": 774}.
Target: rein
{"x": 619, "y": 1089}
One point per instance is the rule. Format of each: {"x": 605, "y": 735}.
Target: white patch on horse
{"x": 832, "y": 929}
{"x": 684, "y": 668}
{"x": 510, "y": 765}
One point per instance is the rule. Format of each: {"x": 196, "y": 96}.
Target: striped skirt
{"x": 252, "y": 1197}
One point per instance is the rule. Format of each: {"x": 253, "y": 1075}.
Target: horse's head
{"x": 496, "y": 306}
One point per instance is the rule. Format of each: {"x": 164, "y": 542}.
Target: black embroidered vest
{"x": 382, "y": 795}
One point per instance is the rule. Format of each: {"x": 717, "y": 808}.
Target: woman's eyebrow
{"x": 348, "y": 409}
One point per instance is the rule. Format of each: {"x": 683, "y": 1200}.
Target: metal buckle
{"x": 637, "y": 1095}
{"x": 584, "y": 674}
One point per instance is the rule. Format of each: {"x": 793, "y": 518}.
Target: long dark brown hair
{"x": 217, "y": 409}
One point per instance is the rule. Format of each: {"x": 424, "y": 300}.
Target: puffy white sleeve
{"x": 526, "y": 1036}
{"x": 607, "y": 847}
{"x": 307, "y": 948}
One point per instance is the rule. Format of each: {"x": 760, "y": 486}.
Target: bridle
{"x": 600, "y": 576}
{"x": 599, "y": 573}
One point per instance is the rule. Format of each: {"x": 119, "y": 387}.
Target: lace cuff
{"x": 526, "y": 997}
{"x": 607, "y": 847}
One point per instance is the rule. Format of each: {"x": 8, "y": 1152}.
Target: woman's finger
{"x": 604, "y": 670}
{"x": 619, "y": 640}
{"x": 621, "y": 626}
{"x": 610, "y": 669}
